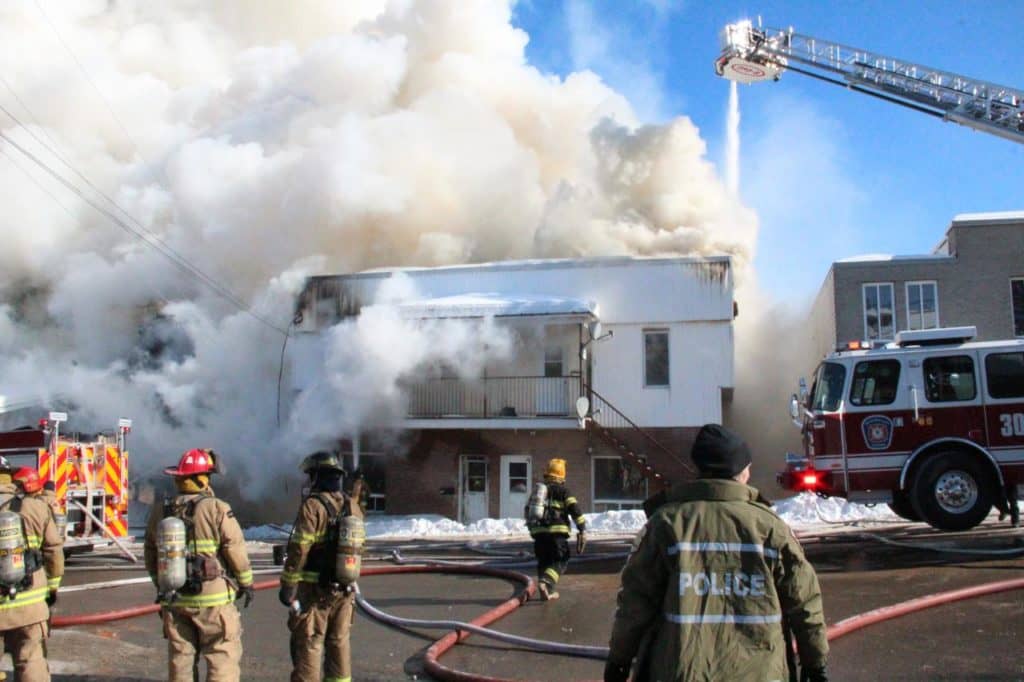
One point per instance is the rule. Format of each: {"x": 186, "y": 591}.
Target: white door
{"x": 553, "y": 389}
{"x": 473, "y": 488}
{"x": 515, "y": 485}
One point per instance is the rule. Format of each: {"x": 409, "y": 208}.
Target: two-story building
{"x": 974, "y": 276}
{"x": 648, "y": 342}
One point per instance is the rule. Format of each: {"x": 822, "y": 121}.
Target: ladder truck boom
{"x": 753, "y": 54}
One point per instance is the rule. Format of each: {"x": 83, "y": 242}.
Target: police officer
{"x": 713, "y": 575}
{"x": 24, "y": 617}
{"x": 201, "y": 618}
{"x": 320, "y": 607}
{"x": 551, "y": 534}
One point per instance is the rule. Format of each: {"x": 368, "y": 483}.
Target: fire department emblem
{"x": 877, "y": 430}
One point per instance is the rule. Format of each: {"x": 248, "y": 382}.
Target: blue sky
{"x": 831, "y": 173}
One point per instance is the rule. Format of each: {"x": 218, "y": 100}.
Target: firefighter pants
{"x": 552, "y": 552}
{"x": 322, "y": 631}
{"x": 27, "y": 647}
{"x": 213, "y": 632}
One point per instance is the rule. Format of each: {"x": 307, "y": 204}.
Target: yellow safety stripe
{"x": 201, "y": 600}
{"x": 551, "y": 529}
{"x": 555, "y": 504}
{"x": 579, "y": 521}
{"x": 337, "y": 679}
{"x": 291, "y": 577}
{"x": 570, "y": 501}
{"x": 309, "y": 538}
{"x": 33, "y": 541}
{"x": 206, "y": 545}
{"x": 551, "y": 573}
{"x": 310, "y": 576}
{"x": 244, "y": 578}
{"x": 26, "y": 598}
{"x": 53, "y": 583}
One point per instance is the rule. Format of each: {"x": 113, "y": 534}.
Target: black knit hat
{"x": 719, "y": 453}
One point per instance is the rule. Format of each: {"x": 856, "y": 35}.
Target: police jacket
{"x": 40, "y": 532}
{"x": 707, "y": 586}
{"x": 308, "y": 554}
{"x": 213, "y": 533}
{"x": 561, "y": 506}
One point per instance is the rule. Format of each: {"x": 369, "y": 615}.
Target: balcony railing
{"x": 494, "y": 398}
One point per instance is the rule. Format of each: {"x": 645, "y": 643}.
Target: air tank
{"x": 12, "y": 551}
{"x": 348, "y": 560}
{"x": 171, "y": 564}
{"x": 538, "y": 503}
{"x": 61, "y": 521}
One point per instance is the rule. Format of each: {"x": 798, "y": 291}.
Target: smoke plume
{"x": 266, "y": 141}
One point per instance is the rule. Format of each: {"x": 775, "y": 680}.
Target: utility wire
{"x": 151, "y": 240}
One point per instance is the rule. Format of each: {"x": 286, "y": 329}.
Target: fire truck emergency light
{"x": 810, "y": 479}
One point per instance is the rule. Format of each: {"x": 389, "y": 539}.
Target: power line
{"x": 151, "y": 240}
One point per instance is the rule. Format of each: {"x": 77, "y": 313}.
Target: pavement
{"x": 970, "y": 640}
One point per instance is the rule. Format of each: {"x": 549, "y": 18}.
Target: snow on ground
{"x": 803, "y": 512}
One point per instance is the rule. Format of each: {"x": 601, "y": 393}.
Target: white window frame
{"x": 668, "y": 355}
{"x": 620, "y": 503}
{"x": 1013, "y": 322}
{"x": 906, "y": 293}
{"x": 864, "y": 309}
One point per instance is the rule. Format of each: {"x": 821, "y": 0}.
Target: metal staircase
{"x": 609, "y": 422}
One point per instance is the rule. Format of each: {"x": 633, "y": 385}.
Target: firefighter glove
{"x": 248, "y": 592}
{"x": 51, "y": 597}
{"x": 581, "y": 541}
{"x": 816, "y": 674}
{"x": 288, "y": 594}
{"x": 616, "y": 672}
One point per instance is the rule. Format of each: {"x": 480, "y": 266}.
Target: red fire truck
{"x": 932, "y": 424}
{"x": 89, "y": 473}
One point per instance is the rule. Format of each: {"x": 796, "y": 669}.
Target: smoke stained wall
{"x": 265, "y": 142}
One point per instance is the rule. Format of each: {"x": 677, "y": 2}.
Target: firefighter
{"x": 24, "y": 616}
{"x": 710, "y": 580}
{"x": 200, "y": 619}
{"x": 320, "y": 601}
{"x": 550, "y": 532}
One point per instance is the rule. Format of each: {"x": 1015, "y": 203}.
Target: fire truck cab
{"x": 931, "y": 424}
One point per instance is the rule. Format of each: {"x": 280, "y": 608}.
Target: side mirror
{"x": 794, "y": 407}
{"x": 803, "y": 390}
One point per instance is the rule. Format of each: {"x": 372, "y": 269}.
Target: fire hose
{"x": 462, "y": 630}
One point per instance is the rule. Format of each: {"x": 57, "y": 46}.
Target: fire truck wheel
{"x": 952, "y": 491}
{"x": 902, "y": 507}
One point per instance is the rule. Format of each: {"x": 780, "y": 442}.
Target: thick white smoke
{"x": 266, "y": 141}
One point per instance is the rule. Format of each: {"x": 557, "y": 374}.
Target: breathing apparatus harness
{"x": 18, "y": 562}
{"x": 198, "y": 568}
{"x": 338, "y": 560}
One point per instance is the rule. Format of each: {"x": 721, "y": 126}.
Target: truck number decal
{"x": 1012, "y": 424}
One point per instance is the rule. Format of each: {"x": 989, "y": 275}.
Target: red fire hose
{"x": 443, "y": 645}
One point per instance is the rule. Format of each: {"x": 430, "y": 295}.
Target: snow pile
{"x": 801, "y": 512}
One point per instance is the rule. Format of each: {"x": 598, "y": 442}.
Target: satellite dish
{"x": 582, "y": 406}
{"x": 595, "y": 329}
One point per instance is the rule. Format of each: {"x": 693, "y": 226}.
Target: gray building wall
{"x": 972, "y": 282}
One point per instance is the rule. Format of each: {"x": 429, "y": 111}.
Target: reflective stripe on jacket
{"x": 307, "y": 550}
{"x": 215, "y": 533}
{"x": 561, "y": 507}
{"x": 709, "y": 583}
{"x": 40, "y": 532}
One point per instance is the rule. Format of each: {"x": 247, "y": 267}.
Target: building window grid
{"x": 656, "y": 358}
{"x": 922, "y": 305}
{"x": 877, "y": 306}
{"x": 1017, "y": 305}
{"x": 608, "y": 502}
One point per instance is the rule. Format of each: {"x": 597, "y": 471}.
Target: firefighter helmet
{"x": 321, "y": 460}
{"x": 194, "y": 461}
{"x": 556, "y": 468}
{"x": 28, "y": 479}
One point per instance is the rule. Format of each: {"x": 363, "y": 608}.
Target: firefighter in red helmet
{"x": 200, "y": 618}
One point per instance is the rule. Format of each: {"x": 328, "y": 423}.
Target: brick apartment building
{"x": 647, "y": 341}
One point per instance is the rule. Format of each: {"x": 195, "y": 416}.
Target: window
{"x": 827, "y": 390}
{"x": 518, "y": 477}
{"x": 1017, "y": 305}
{"x": 617, "y": 484}
{"x": 656, "y": 357}
{"x": 878, "y": 311}
{"x": 476, "y": 476}
{"x": 875, "y": 382}
{"x": 374, "y": 479}
{"x": 553, "y": 362}
{"x": 922, "y": 305}
{"x": 1004, "y": 373}
{"x": 948, "y": 379}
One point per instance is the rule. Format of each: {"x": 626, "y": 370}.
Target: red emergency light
{"x": 809, "y": 479}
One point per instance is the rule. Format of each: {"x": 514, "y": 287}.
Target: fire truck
{"x": 89, "y": 473}
{"x": 931, "y": 424}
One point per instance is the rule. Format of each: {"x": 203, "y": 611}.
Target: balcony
{"x": 494, "y": 402}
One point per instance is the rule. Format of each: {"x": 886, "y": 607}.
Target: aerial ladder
{"x": 753, "y": 54}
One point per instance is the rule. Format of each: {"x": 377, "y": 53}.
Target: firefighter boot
{"x": 547, "y": 591}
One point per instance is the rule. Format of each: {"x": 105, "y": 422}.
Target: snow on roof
{"x": 544, "y": 263}
{"x": 993, "y": 217}
{"x": 495, "y": 305}
{"x": 888, "y": 257}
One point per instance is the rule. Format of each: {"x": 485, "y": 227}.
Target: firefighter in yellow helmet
{"x": 25, "y": 601}
{"x": 200, "y": 618}
{"x": 320, "y": 570}
{"x": 547, "y": 517}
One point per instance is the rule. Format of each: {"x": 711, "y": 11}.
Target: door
{"x": 473, "y": 485}
{"x": 515, "y": 485}
{"x": 553, "y": 390}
